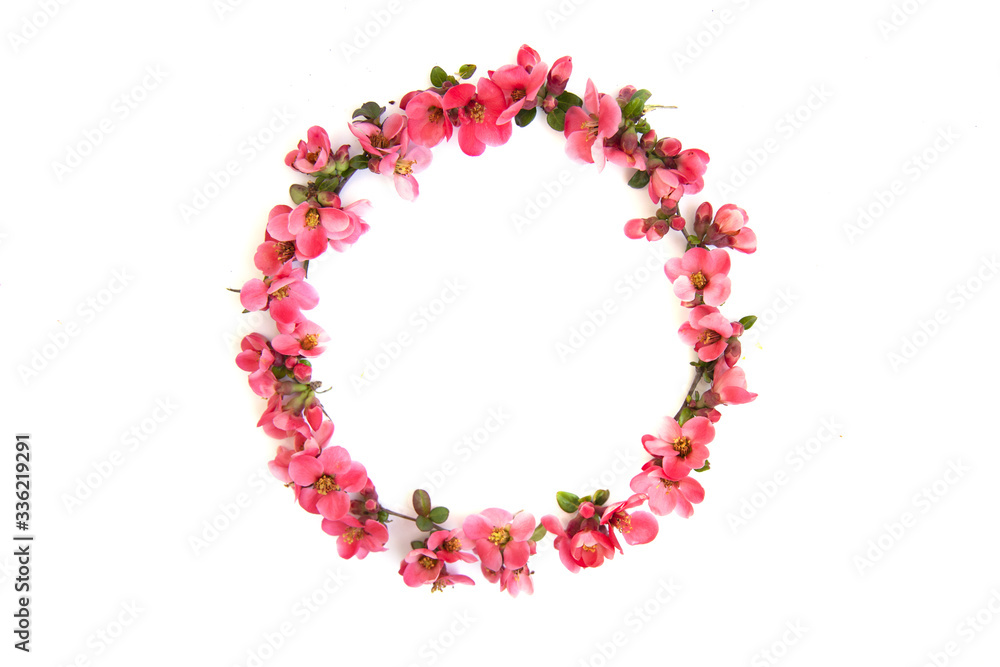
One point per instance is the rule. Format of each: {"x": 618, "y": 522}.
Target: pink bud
{"x": 303, "y": 373}
{"x": 586, "y": 510}
{"x": 559, "y": 75}
{"x": 549, "y": 104}
{"x": 648, "y": 140}
{"x": 667, "y": 147}
{"x": 342, "y": 156}
{"x": 677, "y": 222}
{"x": 527, "y": 57}
{"x": 625, "y": 94}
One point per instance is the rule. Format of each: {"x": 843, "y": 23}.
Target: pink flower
{"x": 728, "y": 230}
{"x": 651, "y": 229}
{"x": 311, "y": 226}
{"x": 421, "y": 566}
{"x": 447, "y": 544}
{"x": 446, "y": 578}
{"x": 304, "y": 340}
{"x": 479, "y": 111}
{"x": 516, "y": 580}
{"x": 501, "y": 539}
{"x": 527, "y": 57}
{"x": 579, "y": 547}
{"x": 402, "y": 167}
{"x": 729, "y": 387}
{"x": 637, "y": 528}
{"x": 355, "y": 538}
{"x": 665, "y": 495}
{"x": 257, "y": 358}
{"x": 428, "y": 123}
{"x": 326, "y": 479}
{"x": 285, "y": 295}
{"x": 700, "y": 271}
{"x": 665, "y": 187}
{"x": 559, "y": 76}
{"x": 520, "y": 84}
{"x": 587, "y": 127}
{"x": 682, "y": 448}
{"x": 688, "y": 166}
{"x": 381, "y": 141}
{"x": 273, "y": 254}
{"x": 312, "y": 154}
{"x": 706, "y": 329}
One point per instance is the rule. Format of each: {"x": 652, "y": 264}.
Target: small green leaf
{"x": 557, "y": 119}
{"x": 439, "y": 514}
{"x": 707, "y": 466}
{"x": 418, "y": 544}
{"x": 748, "y": 321}
{"x": 539, "y": 534}
{"x": 438, "y": 76}
{"x": 525, "y": 116}
{"x": 359, "y": 162}
{"x": 601, "y": 496}
{"x": 639, "y": 180}
{"x": 636, "y": 103}
{"x": 567, "y": 100}
{"x": 425, "y": 524}
{"x": 466, "y": 71}
{"x": 298, "y": 193}
{"x": 369, "y": 110}
{"x": 686, "y": 414}
{"x": 642, "y": 127}
{"x": 568, "y": 502}
{"x": 421, "y": 502}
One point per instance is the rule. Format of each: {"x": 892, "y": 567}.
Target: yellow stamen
{"x": 312, "y": 218}
{"x": 325, "y": 485}
{"x": 699, "y": 280}
{"x": 682, "y": 446}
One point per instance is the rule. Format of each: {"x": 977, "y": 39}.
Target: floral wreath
{"x": 598, "y": 128}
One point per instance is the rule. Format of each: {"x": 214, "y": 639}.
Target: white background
{"x": 812, "y": 113}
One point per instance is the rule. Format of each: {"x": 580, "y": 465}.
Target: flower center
{"x": 682, "y": 446}
{"x": 709, "y": 337}
{"x": 517, "y": 94}
{"x": 379, "y": 140}
{"x": 435, "y": 114}
{"x": 699, "y": 280}
{"x": 452, "y": 545}
{"x": 590, "y": 547}
{"x": 280, "y": 294}
{"x": 309, "y": 342}
{"x": 312, "y": 218}
{"x": 437, "y": 586}
{"x": 352, "y": 535}
{"x": 285, "y": 250}
{"x": 499, "y": 536}
{"x": 622, "y": 521}
{"x": 427, "y": 562}
{"x": 404, "y": 167}
{"x": 325, "y": 485}
{"x": 477, "y": 112}
{"x": 311, "y": 157}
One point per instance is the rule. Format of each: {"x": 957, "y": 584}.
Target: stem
{"x": 403, "y": 516}
{"x": 690, "y": 392}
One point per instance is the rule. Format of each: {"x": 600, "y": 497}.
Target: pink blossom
{"x": 326, "y": 477}
{"x": 559, "y": 76}
{"x": 689, "y": 166}
{"x": 639, "y": 527}
{"x": 402, "y": 167}
{"x": 273, "y": 254}
{"x": 479, "y": 114}
{"x": 285, "y": 295}
{"x": 580, "y": 546}
{"x": 428, "y": 123}
{"x": 355, "y": 538}
{"x": 311, "y": 226}
{"x": 516, "y": 580}
{"x": 527, "y": 57}
{"x": 446, "y": 578}
{"x": 520, "y": 85}
{"x": 312, "y": 154}
{"x": 651, "y": 229}
{"x": 447, "y": 544}
{"x": 257, "y": 358}
{"x": 501, "y": 539}
{"x": 729, "y": 387}
{"x": 381, "y": 141}
{"x": 665, "y": 187}
{"x": 666, "y": 495}
{"x": 706, "y": 329}
{"x": 683, "y": 449}
{"x": 728, "y": 230}
{"x": 304, "y": 340}
{"x": 587, "y": 127}
{"x": 421, "y": 566}
{"x": 700, "y": 271}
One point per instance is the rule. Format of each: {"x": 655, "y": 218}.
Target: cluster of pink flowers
{"x": 598, "y": 128}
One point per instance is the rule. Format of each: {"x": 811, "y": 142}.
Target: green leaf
{"x": 539, "y": 534}
{"x": 568, "y": 502}
{"x": 567, "y": 100}
{"x": 636, "y": 103}
{"x": 438, "y": 76}
{"x": 298, "y": 193}
{"x": 359, "y": 162}
{"x": 425, "y": 524}
{"x": 601, "y": 496}
{"x": 418, "y": 544}
{"x": 707, "y": 466}
{"x": 557, "y": 119}
{"x": 421, "y": 502}
{"x": 748, "y": 321}
{"x": 639, "y": 180}
{"x": 369, "y": 110}
{"x": 466, "y": 71}
{"x": 439, "y": 514}
{"x": 686, "y": 414}
{"x": 525, "y": 116}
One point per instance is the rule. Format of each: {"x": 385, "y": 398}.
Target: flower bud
{"x": 667, "y": 147}
{"x": 342, "y": 157}
{"x": 549, "y": 104}
{"x": 733, "y": 351}
{"x": 303, "y": 373}
{"x": 677, "y": 222}
{"x": 630, "y": 141}
{"x": 527, "y": 57}
{"x": 648, "y": 140}
{"x": 586, "y": 510}
{"x": 625, "y": 94}
{"x": 559, "y": 75}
